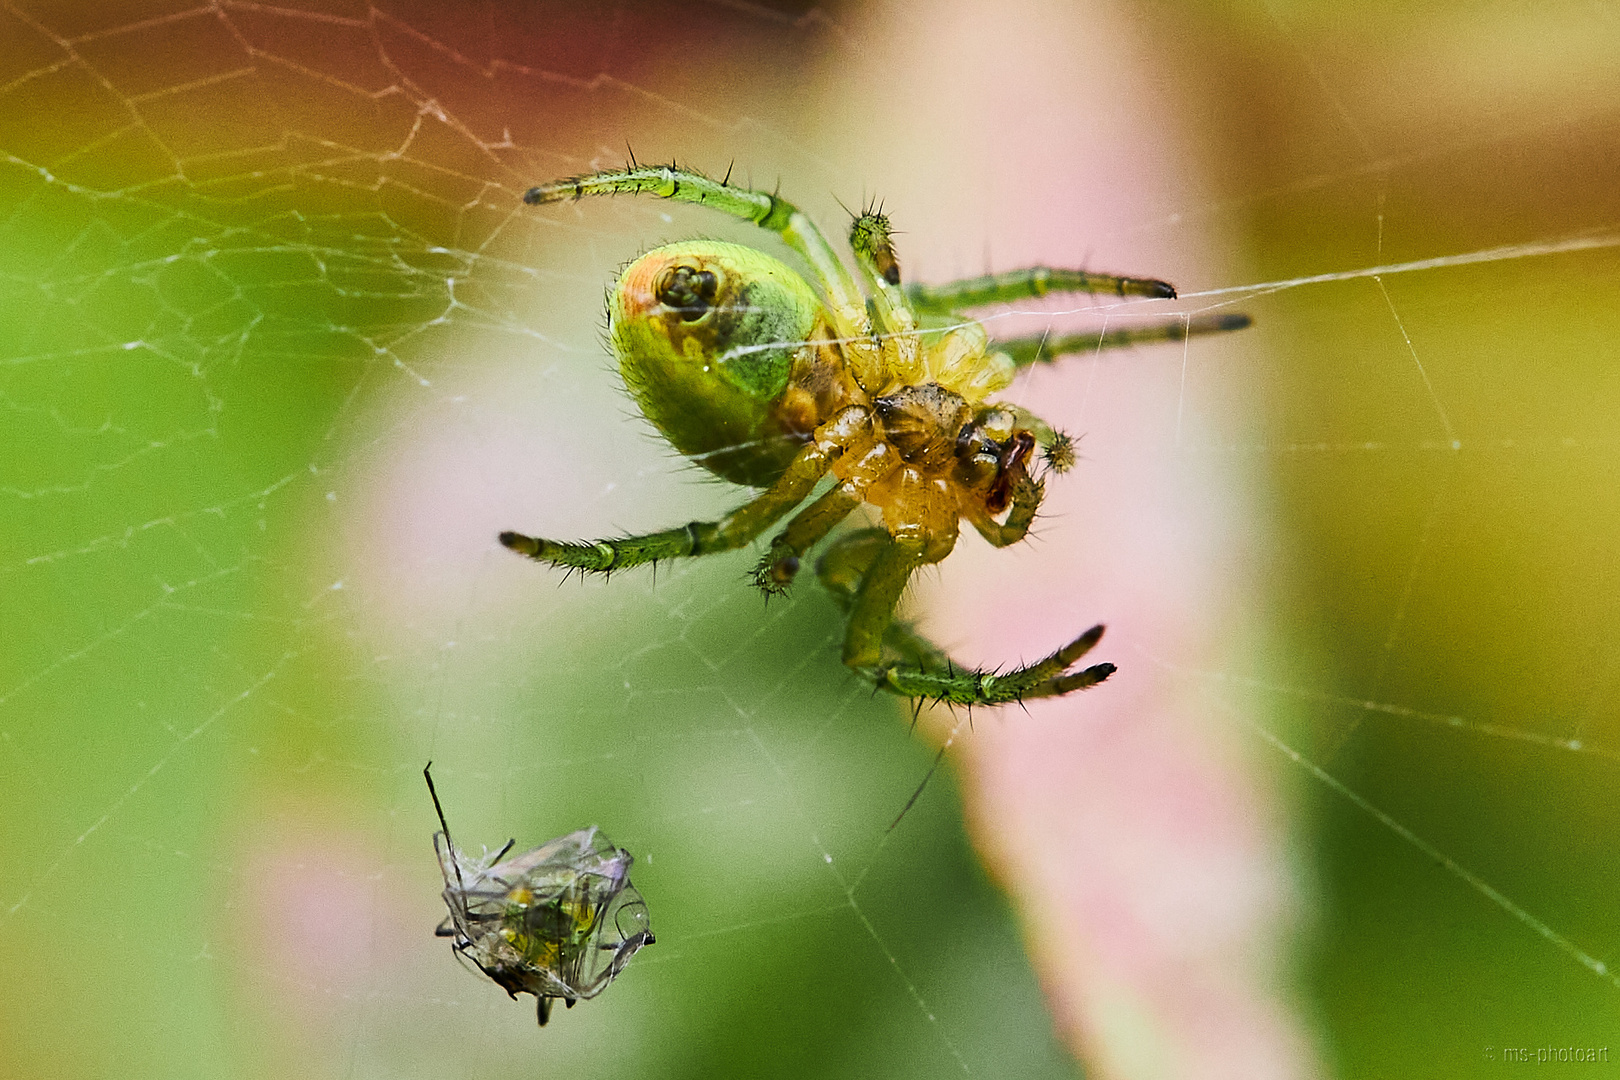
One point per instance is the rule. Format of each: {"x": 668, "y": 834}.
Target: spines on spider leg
{"x": 980, "y": 687}
{"x": 847, "y": 560}
{"x": 603, "y": 556}
{"x": 621, "y": 553}
{"x": 1043, "y": 679}
{"x": 1046, "y": 678}
{"x": 780, "y": 563}
{"x": 1034, "y": 281}
{"x": 705, "y": 537}
{"x": 773, "y": 574}
{"x": 764, "y": 209}
{"x": 1045, "y": 349}
{"x": 1059, "y": 453}
{"x": 1057, "y": 446}
{"x": 768, "y": 210}
{"x": 872, "y": 240}
{"x": 1027, "y": 497}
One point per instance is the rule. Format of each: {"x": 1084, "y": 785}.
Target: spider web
{"x": 283, "y": 352}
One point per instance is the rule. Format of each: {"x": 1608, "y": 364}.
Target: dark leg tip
{"x": 523, "y": 545}
{"x": 1162, "y": 290}
{"x": 1235, "y": 321}
{"x": 1081, "y": 645}
{"x": 1080, "y": 680}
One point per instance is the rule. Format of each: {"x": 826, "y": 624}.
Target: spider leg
{"x": 871, "y": 610}
{"x": 893, "y": 318}
{"x": 811, "y": 525}
{"x": 845, "y": 306}
{"x": 737, "y": 528}
{"x": 1044, "y": 349}
{"x": 1045, "y": 678}
{"x": 860, "y": 571}
{"x": 953, "y": 296}
{"x": 841, "y": 570}
{"x": 808, "y": 527}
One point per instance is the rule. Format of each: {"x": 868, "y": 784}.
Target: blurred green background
{"x": 265, "y": 283}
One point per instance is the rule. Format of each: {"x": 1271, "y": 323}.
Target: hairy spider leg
{"x": 846, "y": 308}
{"x": 893, "y": 318}
{"x": 1045, "y": 678}
{"x": 866, "y": 565}
{"x": 876, "y": 598}
{"x": 953, "y": 296}
{"x": 856, "y": 473}
{"x": 807, "y": 528}
{"x": 840, "y": 570}
{"x": 849, "y": 427}
{"x": 1046, "y": 349}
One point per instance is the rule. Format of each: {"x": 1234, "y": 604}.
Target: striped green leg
{"x": 811, "y": 525}
{"x": 1045, "y": 349}
{"x": 706, "y": 537}
{"x": 866, "y": 571}
{"x": 870, "y": 238}
{"x": 872, "y": 611}
{"x": 845, "y": 305}
{"x": 1046, "y": 678}
{"x": 841, "y": 570}
{"x": 954, "y": 296}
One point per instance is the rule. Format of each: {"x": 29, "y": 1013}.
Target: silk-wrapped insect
{"x": 560, "y": 921}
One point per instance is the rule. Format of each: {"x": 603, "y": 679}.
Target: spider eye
{"x": 688, "y": 290}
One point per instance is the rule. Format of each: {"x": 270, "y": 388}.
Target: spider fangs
{"x": 747, "y": 370}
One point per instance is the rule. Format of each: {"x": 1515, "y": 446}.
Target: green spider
{"x": 746, "y": 370}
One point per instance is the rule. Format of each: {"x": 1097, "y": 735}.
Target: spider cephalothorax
{"x": 749, "y": 371}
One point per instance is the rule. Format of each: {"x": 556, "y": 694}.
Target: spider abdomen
{"x": 708, "y": 336}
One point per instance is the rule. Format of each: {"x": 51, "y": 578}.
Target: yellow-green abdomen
{"x": 706, "y": 334}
